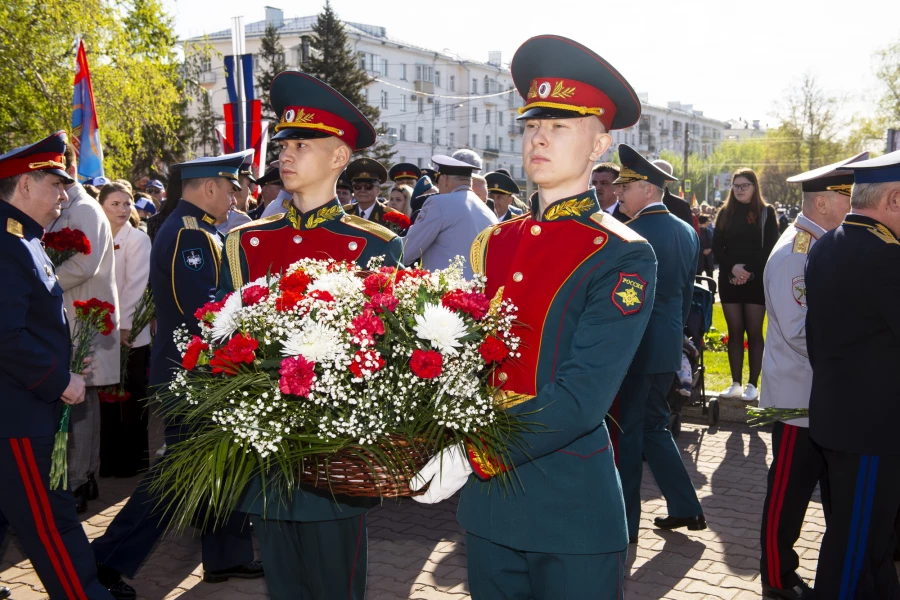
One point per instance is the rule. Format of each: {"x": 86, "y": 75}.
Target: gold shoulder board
{"x": 884, "y": 234}
{"x": 612, "y": 225}
{"x": 14, "y": 227}
{"x": 190, "y": 222}
{"x": 258, "y": 222}
{"x": 375, "y": 229}
{"x": 801, "y": 242}
{"x": 478, "y": 251}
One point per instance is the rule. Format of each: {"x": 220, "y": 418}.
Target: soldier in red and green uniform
{"x": 314, "y": 544}
{"x": 584, "y": 286}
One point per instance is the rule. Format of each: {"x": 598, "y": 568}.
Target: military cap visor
{"x": 499, "y": 183}
{"x": 366, "y": 169}
{"x": 226, "y": 166}
{"x": 309, "y": 108}
{"x": 883, "y": 169}
{"x": 448, "y": 165}
{"x": 830, "y": 178}
{"x": 247, "y": 168}
{"x": 46, "y": 155}
{"x": 637, "y": 168}
{"x": 404, "y": 171}
{"x": 273, "y": 175}
{"x": 561, "y": 79}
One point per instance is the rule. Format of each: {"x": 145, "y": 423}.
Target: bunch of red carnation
{"x": 239, "y": 349}
{"x": 64, "y": 244}
{"x": 396, "y": 222}
{"x": 96, "y": 312}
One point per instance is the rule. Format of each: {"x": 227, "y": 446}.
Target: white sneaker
{"x": 750, "y": 393}
{"x": 733, "y": 392}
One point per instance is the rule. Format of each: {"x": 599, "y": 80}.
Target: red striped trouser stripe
{"x": 782, "y": 474}
{"x": 43, "y": 519}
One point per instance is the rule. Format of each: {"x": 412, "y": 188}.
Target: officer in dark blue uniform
{"x": 184, "y": 275}
{"x": 853, "y": 340}
{"x": 501, "y": 189}
{"x": 35, "y": 350}
{"x": 643, "y": 409}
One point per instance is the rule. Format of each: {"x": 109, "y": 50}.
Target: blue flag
{"x": 85, "y": 129}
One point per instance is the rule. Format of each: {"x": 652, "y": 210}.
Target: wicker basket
{"x": 356, "y": 472}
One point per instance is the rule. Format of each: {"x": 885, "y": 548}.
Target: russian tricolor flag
{"x": 85, "y": 129}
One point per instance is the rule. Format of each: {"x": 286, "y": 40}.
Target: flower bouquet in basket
{"x": 144, "y": 312}
{"x": 343, "y": 379}
{"x": 91, "y": 317}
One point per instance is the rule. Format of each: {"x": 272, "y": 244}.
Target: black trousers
{"x": 797, "y": 466}
{"x": 45, "y": 521}
{"x": 856, "y": 561}
{"x": 314, "y": 560}
{"x": 124, "y": 444}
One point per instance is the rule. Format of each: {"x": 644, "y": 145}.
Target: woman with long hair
{"x": 745, "y": 232}
{"x": 400, "y": 199}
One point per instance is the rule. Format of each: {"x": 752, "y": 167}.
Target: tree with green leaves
{"x": 271, "y": 61}
{"x": 335, "y": 63}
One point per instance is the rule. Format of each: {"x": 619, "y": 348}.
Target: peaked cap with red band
{"x": 404, "y": 171}
{"x": 560, "y": 79}
{"x": 310, "y": 108}
{"x": 47, "y": 155}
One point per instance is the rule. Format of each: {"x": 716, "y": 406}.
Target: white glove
{"x": 447, "y": 472}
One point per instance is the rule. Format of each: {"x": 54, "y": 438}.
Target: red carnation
{"x": 254, "y": 294}
{"x": 378, "y": 283}
{"x": 98, "y": 311}
{"x": 474, "y": 303}
{"x": 493, "y": 350}
{"x": 414, "y": 273}
{"x": 358, "y": 364}
{"x": 297, "y": 376}
{"x": 192, "y": 353}
{"x": 382, "y": 302}
{"x": 365, "y": 327}
{"x": 426, "y": 364}
{"x": 397, "y": 218}
{"x": 288, "y": 300}
{"x": 67, "y": 240}
{"x": 206, "y": 313}
{"x": 296, "y": 282}
{"x": 322, "y": 295}
{"x": 239, "y": 349}
{"x": 112, "y": 396}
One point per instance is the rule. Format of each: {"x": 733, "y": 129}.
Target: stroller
{"x": 698, "y": 324}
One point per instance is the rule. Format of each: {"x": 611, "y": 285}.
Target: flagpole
{"x": 238, "y": 42}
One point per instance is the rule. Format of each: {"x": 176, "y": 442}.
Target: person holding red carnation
{"x": 82, "y": 277}
{"x": 313, "y": 544}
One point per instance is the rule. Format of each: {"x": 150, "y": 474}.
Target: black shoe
{"x": 801, "y": 591}
{"x": 250, "y": 570}
{"x": 692, "y": 523}
{"x": 4, "y": 592}
{"x": 93, "y": 492}
{"x": 80, "y": 499}
{"x": 112, "y": 581}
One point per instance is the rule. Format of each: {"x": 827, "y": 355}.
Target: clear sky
{"x": 729, "y": 59}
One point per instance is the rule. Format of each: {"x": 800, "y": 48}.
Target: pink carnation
{"x": 297, "y": 376}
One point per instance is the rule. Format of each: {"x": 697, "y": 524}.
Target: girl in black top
{"x": 746, "y": 231}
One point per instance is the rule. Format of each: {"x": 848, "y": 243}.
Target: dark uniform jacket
{"x": 271, "y": 245}
{"x": 679, "y": 207}
{"x": 35, "y": 347}
{"x": 853, "y": 337}
{"x": 676, "y": 247}
{"x": 378, "y": 211}
{"x": 184, "y": 275}
{"x": 584, "y": 285}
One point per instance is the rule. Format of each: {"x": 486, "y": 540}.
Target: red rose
{"x": 377, "y": 283}
{"x": 207, "y": 313}
{"x": 297, "y": 376}
{"x": 397, "y": 218}
{"x": 369, "y": 361}
{"x": 192, "y": 353}
{"x": 239, "y": 349}
{"x": 426, "y": 364}
{"x": 254, "y": 294}
{"x": 382, "y": 302}
{"x": 493, "y": 350}
{"x": 296, "y": 282}
{"x": 474, "y": 303}
{"x": 288, "y": 300}
{"x": 365, "y": 327}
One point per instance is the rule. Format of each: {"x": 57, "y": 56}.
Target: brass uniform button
{"x": 502, "y": 376}
{"x": 517, "y": 277}
{"x": 496, "y": 231}
{"x": 535, "y": 230}
{"x": 297, "y": 239}
{"x": 345, "y": 219}
{"x": 598, "y": 240}
{"x": 352, "y": 245}
{"x": 254, "y": 241}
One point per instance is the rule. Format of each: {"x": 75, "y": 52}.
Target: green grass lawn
{"x": 718, "y": 373}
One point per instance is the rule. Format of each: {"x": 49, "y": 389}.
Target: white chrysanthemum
{"x": 228, "y": 319}
{"x": 314, "y": 342}
{"x": 339, "y": 284}
{"x": 442, "y": 327}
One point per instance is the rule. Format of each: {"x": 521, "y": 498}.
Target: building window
{"x": 487, "y": 115}
{"x": 437, "y": 108}
{"x": 403, "y": 103}
{"x": 500, "y": 117}
{"x": 452, "y": 140}
{"x": 437, "y": 79}
{"x": 420, "y": 134}
{"x": 474, "y": 140}
{"x": 205, "y": 64}
{"x": 421, "y": 105}
{"x": 424, "y": 73}
{"x": 500, "y": 144}
{"x": 419, "y": 162}
{"x": 475, "y": 115}
{"x": 437, "y": 136}
{"x": 474, "y": 86}
{"x": 256, "y": 63}
{"x": 453, "y": 83}
{"x": 403, "y": 72}
{"x": 392, "y": 135}
{"x": 384, "y": 99}
{"x": 384, "y": 66}
{"x": 453, "y": 113}
{"x": 487, "y": 141}
{"x": 403, "y": 133}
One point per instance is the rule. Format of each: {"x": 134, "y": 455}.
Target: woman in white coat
{"x": 123, "y": 438}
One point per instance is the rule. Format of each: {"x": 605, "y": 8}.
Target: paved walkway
{"x": 418, "y": 552}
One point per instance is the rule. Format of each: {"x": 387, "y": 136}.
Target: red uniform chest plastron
{"x": 532, "y": 260}
{"x": 273, "y": 251}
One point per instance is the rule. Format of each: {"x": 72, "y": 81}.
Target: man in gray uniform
{"x": 449, "y": 221}
{"x": 787, "y": 376}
